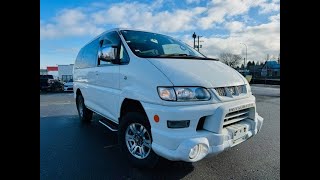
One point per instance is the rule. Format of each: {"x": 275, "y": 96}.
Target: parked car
{"x": 45, "y": 82}
{"x": 163, "y": 97}
{"x": 68, "y": 86}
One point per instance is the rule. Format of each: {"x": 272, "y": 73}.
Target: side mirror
{"x": 109, "y": 53}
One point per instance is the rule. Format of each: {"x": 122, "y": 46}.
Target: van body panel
{"x": 214, "y": 123}
{"x": 205, "y": 73}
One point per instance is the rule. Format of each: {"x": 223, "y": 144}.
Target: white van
{"x": 163, "y": 97}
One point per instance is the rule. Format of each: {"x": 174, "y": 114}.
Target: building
{"x": 65, "y": 72}
{"x": 53, "y": 70}
{"x": 43, "y": 72}
{"x": 271, "y": 69}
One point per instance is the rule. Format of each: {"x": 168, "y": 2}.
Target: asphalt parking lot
{"x": 70, "y": 149}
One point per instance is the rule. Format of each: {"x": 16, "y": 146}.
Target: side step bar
{"x": 109, "y": 124}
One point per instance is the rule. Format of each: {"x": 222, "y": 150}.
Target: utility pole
{"x": 194, "y": 39}
{"x": 244, "y": 63}
{"x": 199, "y": 43}
{"x": 194, "y": 36}
{"x": 246, "y": 54}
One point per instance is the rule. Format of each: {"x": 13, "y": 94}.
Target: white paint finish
{"x": 142, "y": 80}
{"x": 104, "y": 89}
{"x": 190, "y": 72}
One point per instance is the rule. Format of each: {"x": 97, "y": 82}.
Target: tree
{"x": 249, "y": 64}
{"x": 230, "y": 59}
{"x": 253, "y": 64}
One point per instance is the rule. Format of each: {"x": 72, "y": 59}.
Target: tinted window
{"x": 87, "y": 55}
{"x": 79, "y": 60}
{"x": 90, "y": 54}
{"x": 145, "y": 44}
{"x": 112, "y": 38}
{"x": 124, "y": 55}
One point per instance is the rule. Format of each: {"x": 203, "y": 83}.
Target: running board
{"x": 109, "y": 124}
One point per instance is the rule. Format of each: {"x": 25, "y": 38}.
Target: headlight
{"x": 192, "y": 93}
{"x": 248, "y": 88}
{"x": 184, "y": 93}
{"x": 167, "y": 93}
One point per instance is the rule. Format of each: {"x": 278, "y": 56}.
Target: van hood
{"x": 194, "y": 72}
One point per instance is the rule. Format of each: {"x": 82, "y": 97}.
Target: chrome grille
{"x": 236, "y": 116}
{"x": 241, "y": 89}
{"x": 221, "y": 91}
{"x": 232, "y": 90}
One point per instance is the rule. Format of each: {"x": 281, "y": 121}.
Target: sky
{"x": 225, "y": 25}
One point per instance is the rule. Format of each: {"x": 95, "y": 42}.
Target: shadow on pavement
{"x": 70, "y": 149}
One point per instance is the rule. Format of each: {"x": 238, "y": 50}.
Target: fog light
{"x": 194, "y": 152}
{"x": 178, "y": 124}
{"x": 198, "y": 152}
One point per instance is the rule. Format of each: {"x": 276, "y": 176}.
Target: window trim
{"x": 102, "y": 37}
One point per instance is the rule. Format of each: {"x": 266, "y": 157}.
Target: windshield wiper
{"x": 176, "y": 55}
{"x": 186, "y": 56}
{"x": 170, "y": 55}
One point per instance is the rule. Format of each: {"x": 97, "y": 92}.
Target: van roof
{"x": 116, "y": 29}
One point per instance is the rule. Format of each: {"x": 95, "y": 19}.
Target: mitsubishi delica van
{"x": 162, "y": 97}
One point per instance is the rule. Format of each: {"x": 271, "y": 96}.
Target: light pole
{"x": 246, "y": 55}
{"x": 199, "y": 44}
{"x": 194, "y": 40}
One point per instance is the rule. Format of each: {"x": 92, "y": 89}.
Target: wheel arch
{"x": 131, "y": 105}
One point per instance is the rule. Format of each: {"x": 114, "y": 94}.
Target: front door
{"x": 107, "y": 78}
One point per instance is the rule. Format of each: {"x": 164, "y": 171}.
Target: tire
{"x": 140, "y": 142}
{"x": 84, "y": 113}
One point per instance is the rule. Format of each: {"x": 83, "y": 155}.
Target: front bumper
{"x": 175, "y": 144}
{"x": 68, "y": 88}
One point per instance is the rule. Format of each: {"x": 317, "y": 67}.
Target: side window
{"x": 124, "y": 57}
{"x": 88, "y": 55}
{"x": 91, "y": 53}
{"x": 106, "y": 52}
{"x": 79, "y": 59}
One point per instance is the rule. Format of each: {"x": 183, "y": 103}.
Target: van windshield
{"x": 152, "y": 45}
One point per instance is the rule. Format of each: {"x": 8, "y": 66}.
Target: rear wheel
{"x": 135, "y": 140}
{"x": 85, "y": 114}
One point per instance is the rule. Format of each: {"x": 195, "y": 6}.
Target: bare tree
{"x": 230, "y": 59}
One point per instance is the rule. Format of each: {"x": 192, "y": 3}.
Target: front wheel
{"x": 135, "y": 140}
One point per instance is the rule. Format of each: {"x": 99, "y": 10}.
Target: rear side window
{"x": 87, "y": 55}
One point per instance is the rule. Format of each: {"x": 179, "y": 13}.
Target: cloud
{"x": 143, "y": 17}
{"x": 92, "y": 20}
{"x": 261, "y": 40}
{"x": 268, "y": 7}
{"x": 81, "y": 21}
{"x": 193, "y": 1}
{"x": 68, "y": 22}
{"x": 219, "y": 10}
{"x": 231, "y": 16}
{"x": 234, "y": 26}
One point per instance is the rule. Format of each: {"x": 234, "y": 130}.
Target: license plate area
{"x": 238, "y": 132}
